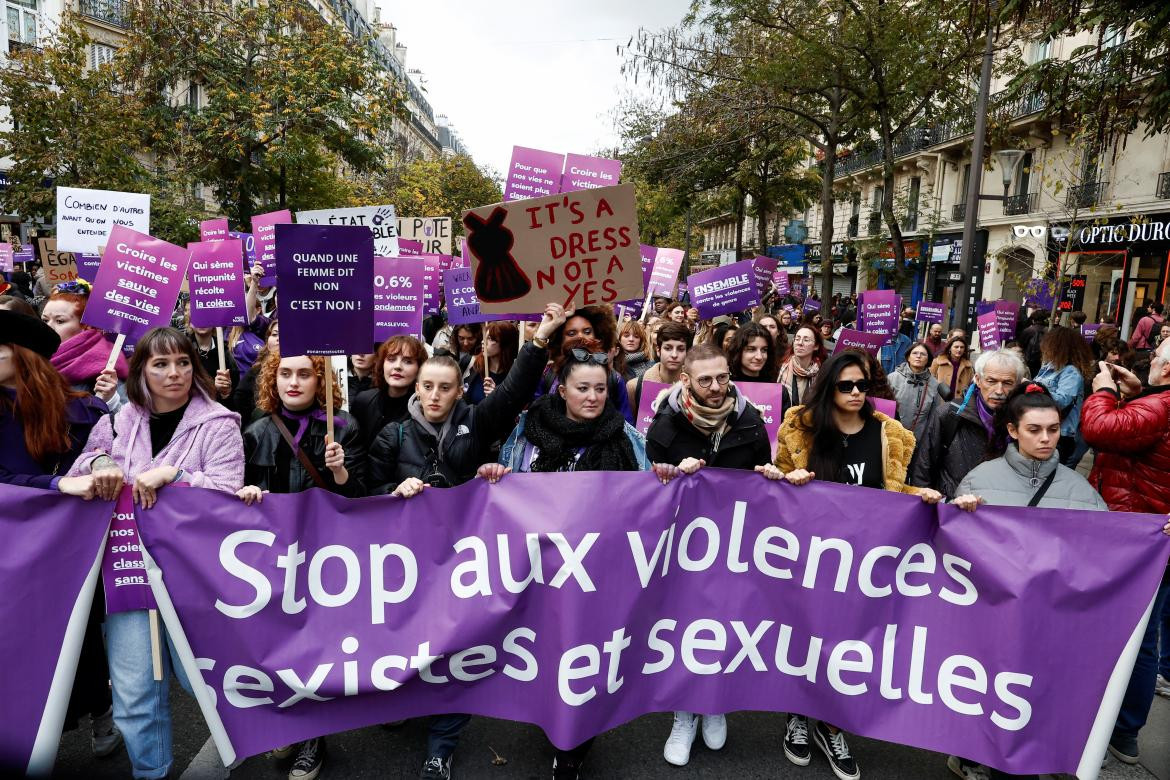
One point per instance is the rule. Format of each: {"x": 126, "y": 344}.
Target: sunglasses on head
{"x": 847, "y": 385}
{"x": 584, "y": 356}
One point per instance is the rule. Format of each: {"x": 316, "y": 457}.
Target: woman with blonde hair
{"x": 635, "y": 344}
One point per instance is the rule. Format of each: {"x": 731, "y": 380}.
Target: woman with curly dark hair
{"x": 753, "y": 355}
{"x": 595, "y": 322}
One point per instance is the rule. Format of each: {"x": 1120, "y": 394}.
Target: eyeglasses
{"x": 705, "y": 381}
{"x": 583, "y": 356}
{"x": 847, "y": 386}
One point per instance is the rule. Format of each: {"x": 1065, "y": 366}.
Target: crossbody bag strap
{"x": 1043, "y": 488}
{"x": 296, "y": 448}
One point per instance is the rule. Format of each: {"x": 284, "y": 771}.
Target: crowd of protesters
{"x": 1007, "y": 426}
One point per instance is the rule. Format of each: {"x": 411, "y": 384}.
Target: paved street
{"x": 634, "y": 750}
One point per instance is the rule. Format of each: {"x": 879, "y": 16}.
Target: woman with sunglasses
{"x": 573, "y": 429}
{"x": 837, "y": 436}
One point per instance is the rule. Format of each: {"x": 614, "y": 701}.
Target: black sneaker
{"x": 436, "y": 768}
{"x": 310, "y": 758}
{"x": 1124, "y": 748}
{"x": 836, "y": 749}
{"x": 796, "y": 746}
{"x": 565, "y": 768}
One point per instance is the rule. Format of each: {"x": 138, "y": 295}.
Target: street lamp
{"x": 1009, "y": 160}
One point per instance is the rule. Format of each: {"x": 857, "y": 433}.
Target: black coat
{"x": 671, "y": 438}
{"x": 270, "y": 464}
{"x": 405, "y": 449}
{"x": 374, "y": 410}
{"x": 940, "y": 464}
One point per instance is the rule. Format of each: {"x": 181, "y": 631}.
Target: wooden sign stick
{"x": 155, "y": 644}
{"x": 117, "y": 350}
{"x": 328, "y": 401}
{"x": 219, "y": 348}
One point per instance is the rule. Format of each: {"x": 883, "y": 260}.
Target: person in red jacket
{"x": 1129, "y": 426}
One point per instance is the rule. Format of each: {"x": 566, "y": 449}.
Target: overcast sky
{"x": 537, "y": 73}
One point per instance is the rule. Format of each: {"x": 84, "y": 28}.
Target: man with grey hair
{"x": 958, "y": 435}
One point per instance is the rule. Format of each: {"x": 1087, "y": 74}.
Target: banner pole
{"x": 117, "y": 350}
{"x": 155, "y": 644}
{"x": 328, "y": 401}
{"x": 219, "y": 347}
{"x": 646, "y": 305}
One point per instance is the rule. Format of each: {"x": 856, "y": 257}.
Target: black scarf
{"x": 607, "y": 448}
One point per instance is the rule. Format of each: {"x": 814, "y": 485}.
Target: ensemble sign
{"x": 85, "y": 217}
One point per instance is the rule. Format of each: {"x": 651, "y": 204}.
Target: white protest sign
{"x": 381, "y": 221}
{"x": 85, "y": 217}
{"x": 433, "y": 232}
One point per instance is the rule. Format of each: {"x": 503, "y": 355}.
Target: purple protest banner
{"x": 768, "y": 398}
{"x": 398, "y": 288}
{"x": 213, "y": 229}
{"x": 123, "y": 572}
{"x": 664, "y": 271}
{"x": 432, "y": 282}
{"x": 49, "y": 566}
{"x": 463, "y": 306}
{"x": 780, "y": 279}
{"x": 249, "y": 242}
{"x": 264, "y": 231}
{"x": 87, "y": 265}
{"x": 764, "y": 267}
{"x": 408, "y": 247}
{"x": 137, "y": 284}
{"x": 533, "y": 173}
{"x": 919, "y": 629}
{"x": 326, "y": 281}
{"x": 1006, "y": 315}
{"x": 7, "y": 254}
{"x": 724, "y": 290}
{"x": 856, "y": 339}
{"x": 646, "y": 404}
{"x": 982, "y": 307}
{"x": 989, "y": 334}
{"x": 929, "y": 311}
{"x": 877, "y": 311}
{"x": 216, "y": 281}
{"x": 811, "y": 304}
{"x": 1040, "y": 293}
{"x": 583, "y": 172}
{"x": 24, "y": 255}
{"x": 1089, "y": 330}
{"x": 885, "y": 406}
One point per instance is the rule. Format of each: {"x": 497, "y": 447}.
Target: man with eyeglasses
{"x": 704, "y": 421}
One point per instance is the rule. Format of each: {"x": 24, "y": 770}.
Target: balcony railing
{"x": 1164, "y": 185}
{"x": 874, "y": 224}
{"x": 910, "y": 221}
{"x": 1086, "y": 196}
{"x": 1020, "y": 204}
{"x": 112, "y": 12}
{"x": 958, "y": 212}
{"x": 851, "y": 229}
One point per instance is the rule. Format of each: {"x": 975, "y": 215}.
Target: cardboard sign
{"x": 85, "y": 218}
{"x": 576, "y": 249}
{"x": 381, "y": 220}
{"x": 264, "y": 231}
{"x": 583, "y": 172}
{"x": 463, "y": 305}
{"x": 764, "y": 268}
{"x": 214, "y": 229}
{"x": 724, "y": 290}
{"x": 137, "y": 284}
{"x": 398, "y": 293}
{"x": 533, "y": 173}
{"x": 216, "y": 281}
{"x": 434, "y": 233}
{"x": 989, "y": 334}
{"x": 928, "y": 311}
{"x": 326, "y": 281}
{"x": 855, "y": 339}
{"x": 780, "y": 279}
{"x": 768, "y": 398}
{"x": 59, "y": 266}
{"x": 647, "y": 407}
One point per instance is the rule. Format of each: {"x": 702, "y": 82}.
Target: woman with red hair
{"x": 83, "y": 353}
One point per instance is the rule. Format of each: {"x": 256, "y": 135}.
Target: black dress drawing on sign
{"x": 498, "y": 277}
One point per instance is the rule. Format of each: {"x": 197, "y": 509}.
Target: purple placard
{"x": 683, "y": 290}
{"x": 537, "y": 654}
{"x": 583, "y": 172}
{"x": 7, "y": 254}
{"x": 646, "y": 408}
{"x": 1040, "y": 293}
{"x": 929, "y": 311}
{"x": 213, "y": 229}
{"x": 664, "y": 272}
{"x": 432, "y": 282}
{"x": 24, "y": 255}
{"x": 216, "y": 280}
{"x": 463, "y": 306}
{"x": 264, "y": 230}
{"x": 989, "y": 334}
{"x": 1006, "y": 315}
{"x": 877, "y": 311}
{"x": 811, "y": 304}
{"x": 768, "y": 397}
{"x": 780, "y": 279}
{"x": 856, "y": 339}
{"x": 724, "y": 290}
{"x": 249, "y": 242}
{"x": 87, "y": 265}
{"x": 326, "y": 281}
{"x": 885, "y": 406}
{"x": 1089, "y": 330}
{"x": 982, "y": 307}
{"x": 137, "y": 284}
{"x": 765, "y": 268}
{"x": 533, "y": 173}
{"x": 408, "y": 247}
{"x": 123, "y": 572}
{"x": 398, "y": 289}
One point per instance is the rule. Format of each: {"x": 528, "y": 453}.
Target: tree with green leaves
{"x": 442, "y": 187}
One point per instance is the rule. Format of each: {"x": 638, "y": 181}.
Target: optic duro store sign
{"x": 1118, "y": 232}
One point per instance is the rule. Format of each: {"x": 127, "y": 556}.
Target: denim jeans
{"x": 444, "y": 734}
{"x": 142, "y": 708}
{"x": 1139, "y": 695}
{"x": 1164, "y": 639}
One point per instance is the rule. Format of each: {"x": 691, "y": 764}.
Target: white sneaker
{"x": 682, "y": 736}
{"x": 714, "y": 731}
{"x": 1162, "y": 687}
